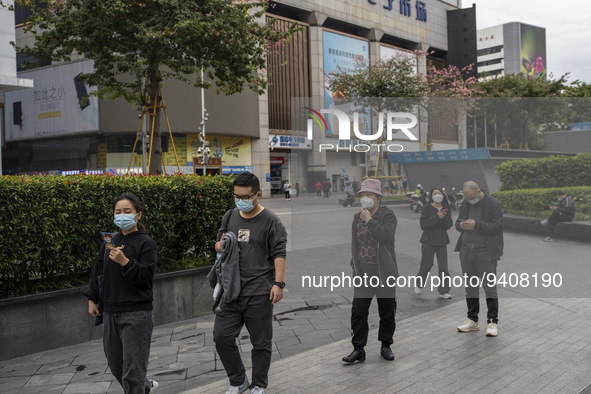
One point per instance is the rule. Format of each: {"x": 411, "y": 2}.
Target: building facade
{"x": 512, "y": 48}
{"x": 265, "y": 134}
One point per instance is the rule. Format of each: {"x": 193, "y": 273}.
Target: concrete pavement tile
{"x": 38, "y": 389}
{"x": 18, "y": 371}
{"x": 162, "y": 361}
{"x": 90, "y": 373}
{"x": 173, "y": 387}
{"x": 83, "y": 388}
{"x": 7, "y": 384}
{"x": 50, "y": 379}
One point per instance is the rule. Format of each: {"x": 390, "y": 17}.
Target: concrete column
{"x": 261, "y": 163}
{"x": 316, "y": 159}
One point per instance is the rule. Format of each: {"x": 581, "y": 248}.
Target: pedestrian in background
{"x": 287, "y": 190}
{"x": 318, "y": 187}
{"x": 372, "y": 249}
{"x": 563, "y": 212}
{"x": 435, "y": 221}
{"x": 480, "y": 222}
{"x": 262, "y": 240}
{"x": 297, "y": 188}
{"x": 128, "y": 264}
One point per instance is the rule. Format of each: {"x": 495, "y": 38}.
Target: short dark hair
{"x": 559, "y": 193}
{"x": 248, "y": 179}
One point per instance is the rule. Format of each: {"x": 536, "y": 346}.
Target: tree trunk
{"x": 156, "y": 137}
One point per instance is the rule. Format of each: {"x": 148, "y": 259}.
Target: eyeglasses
{"x": 244, "y": 198}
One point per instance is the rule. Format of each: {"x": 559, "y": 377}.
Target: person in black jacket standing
{"x": 373, "y": 256}
{"x": 480, "y": 223}
{"x": 435, "y": 221}
{"x": 128, "y": 266}
{"x": 563, "y": 212}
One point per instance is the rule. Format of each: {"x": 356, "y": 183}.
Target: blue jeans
{"x": 126, "y": 340}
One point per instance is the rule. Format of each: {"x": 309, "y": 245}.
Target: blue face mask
{"x": 244, "y": 205}
{"x": 125, "y": 221}
{"x": 475, "y": 201}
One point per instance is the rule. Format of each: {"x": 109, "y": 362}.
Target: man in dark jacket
{"x": 480, "y": 223}
{"x": 373, "y": 257}
{"x": 563, "y": 212}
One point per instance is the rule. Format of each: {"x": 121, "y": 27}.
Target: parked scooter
{"x": 415, "y": 202}
{"x": 451, "y": 198}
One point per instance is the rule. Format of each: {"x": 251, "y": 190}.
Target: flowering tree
{"x": 436, "y": 92}
{"x": 450, "y": 94}
{"x": 150, "y": 40}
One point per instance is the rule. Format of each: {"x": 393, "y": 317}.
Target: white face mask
{"x": 366, "y": 202}
{"x": 438, "y": 198}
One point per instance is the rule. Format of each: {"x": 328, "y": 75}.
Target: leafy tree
{"x": 134, "y": 40}
{"x": 519, "y": 109}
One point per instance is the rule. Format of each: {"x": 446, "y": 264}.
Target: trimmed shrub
{"x": 535, "y": 202}
{"x": 50, "y": 225}
{"x": 547, "y": 172}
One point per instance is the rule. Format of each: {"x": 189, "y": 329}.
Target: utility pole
{"x": 204, "y": 150}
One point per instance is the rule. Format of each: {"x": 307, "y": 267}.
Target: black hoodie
{"x": 126, "y": 288}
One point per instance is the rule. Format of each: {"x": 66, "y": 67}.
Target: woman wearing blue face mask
{"x": 127, "y": 265}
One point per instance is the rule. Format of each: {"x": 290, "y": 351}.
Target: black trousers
{"x": 256, "y": 312}
{"x": 360, "y": 314}
{"x": 476, "y": 264}
{"x": 553, "y": 220}
{"x": 428, "y": 253}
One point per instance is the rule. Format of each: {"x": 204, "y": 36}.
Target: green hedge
{"x": 50, "y": 225}
{"x": 547, "y": 172}
{"x": 535, "y": 202}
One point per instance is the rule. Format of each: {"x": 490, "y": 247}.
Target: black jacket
{"x": 490, "y": 225}
{"x": 566, "y": 209}
{"x": 126, "y": 288}
{"x": 382, "y": 227}
{"x": 435, "y": 229}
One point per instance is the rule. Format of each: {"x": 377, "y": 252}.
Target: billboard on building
{"x": 235, "y": 152}
{"x": 59, "y": 104}
{"x": 533, "y": 51}
{"x": 341, "y": 54}
{"x": 387, "y": 53}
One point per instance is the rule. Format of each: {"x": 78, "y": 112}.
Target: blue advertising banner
{"x": 342, "y": 54}
{"x": 439, "y": 155}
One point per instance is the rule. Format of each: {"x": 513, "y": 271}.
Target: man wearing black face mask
{"x": 262, "y": 240}
{"x": 563, "y": 212}
{"x": 480, "y": 223}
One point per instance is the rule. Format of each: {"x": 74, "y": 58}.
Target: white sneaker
{"x": 445, "y": 295}
{"x": 491, "y": 330}
{"x": 548, "y": 239}
{"x": 154, "y": 387}
{"x": 469, "y": 325}
{"x": 544, "y": 222}
{"x": 418, "y": 290}
{"x": 257, "y": 390}
{"x": 239, "y": 389}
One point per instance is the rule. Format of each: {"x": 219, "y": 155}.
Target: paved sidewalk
{"x": 543, "y": 345}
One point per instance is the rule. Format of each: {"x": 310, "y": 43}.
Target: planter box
{"x": 38, "y": 322}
